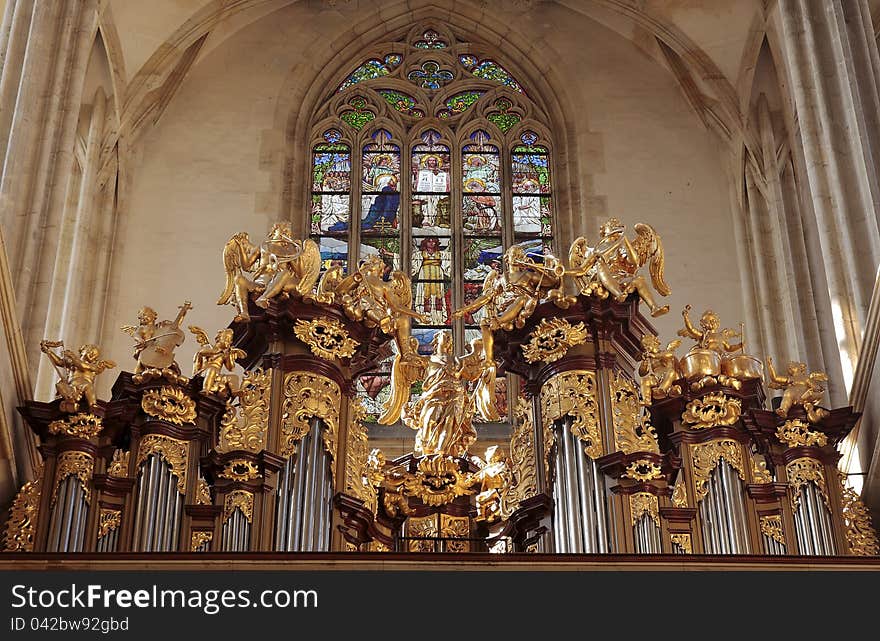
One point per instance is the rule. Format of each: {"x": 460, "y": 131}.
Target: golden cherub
{"x": 612, "y": 266}
{"x": 156, "y": 342}
{"x": 703, "y": 362}
{"x": 800, "y": 388}
{"x": 493, "y": 476}
{"x": 281, "y": 266}
{"x": 210, "y": 361}
{"x": 659, "y": 369}
{"x": 81, "y": 370}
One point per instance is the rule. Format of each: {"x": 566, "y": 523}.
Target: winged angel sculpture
{"x": 443, "y": 415}
{"x": 280, "y": 266}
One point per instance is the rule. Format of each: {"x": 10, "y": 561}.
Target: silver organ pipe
{"x": 69, "y": 514}
{"x": 812, "y": 523}
{"x": 722, "y": 513}
{"x": 158, "y": 507}
{"x": 646, "y": 535}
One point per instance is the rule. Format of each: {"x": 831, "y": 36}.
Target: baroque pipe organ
{"x": 620, "y": 443}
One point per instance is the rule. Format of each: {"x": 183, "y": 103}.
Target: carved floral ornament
{"x": 679, "y": 493}
{"x": 308, "y": 396}
{"x": 572, "y": 393}
{"x": 23, "y": 514}
{"x": 642, "y": 503}
{"x": 169, "y": 404}
{"x": 74, "y": 463}
{"x": 108, "y": 521}
{"x": 802, "y": 471}
{"x": 240, "y": 470}
{"x": 707, "y": 456}
{"x": 712, "y": 410}
{"x": 119, "y": 465}
{"x": 200, "y": 538}
{"x": 244, "y": 426}
{"x": 632, "y": 431}
{"x": 81, "y": 425}
{"x": 860, "y": 534}
{"x": 357, "y": 479}
{"x": 173, "y": 451}
{"x": 551, "y": 339}
{"x": 239, "y": 499}
{"x": 771, "y": 527}
{"x": 327, "y": 338}
{"x": 643, "y": 470}
{"x": 797, "y": 432}
{"x": 683, "y": 542}
{"x": 524, "y": 483}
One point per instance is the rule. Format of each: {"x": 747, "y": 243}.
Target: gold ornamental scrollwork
{"x": 169, "y": 404}
{"x": 241, "y": 499}
{"x": 771, "y": 527}
{"x": 679, "y": 493}
{"x": 632, "y": 432}
{"x": 760, "y": 473}
{"x": 357, "y": 453}
{"x": 81, "y": 425}
{"x": 551, "y": 339}
{"x": 418, "y": 529}
{"x": 712, "y": 410}
{"x": 707, "y": 456}
{"x": 437, "y": 481}
{"x": 573, "y": 393}
{"x": 22, "y": 522}
{"x": 683, "y": 541}
{"x": 199, "y": 538}
{"x": 118, "y": 467}
{"x": 524, "y": 483}
{"x": 642, "y": 503}
{"x": 240, "y": 470}
{"x": 802, "y": 471}
{"x": 797, "y": 433}
{"x": 643, "y": 470}
{"x": 309, "y": 396}
{"x": 455, "y": 527}
{"x": 860, "y": 534}
{"x": 108, "y": 520}
{"x": 243, "y": 426}
{"x": 74, "y": 463}
{"x": 173, "y": 451}
{"x": 203, "y": 493}
{"x": 327, "y": 338}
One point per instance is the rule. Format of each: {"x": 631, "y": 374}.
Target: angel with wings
{"x": 443, "y": 415}
{"x": 612, "y": 266}
{"x": 210, "y": 361}
{"x": 281, "y": 266}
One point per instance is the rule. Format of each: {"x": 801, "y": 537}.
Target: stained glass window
{"x": 433, "y": 163}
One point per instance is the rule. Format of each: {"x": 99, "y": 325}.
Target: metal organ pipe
{"x": 159, "y": 506}
{"x": 67, "y": 529}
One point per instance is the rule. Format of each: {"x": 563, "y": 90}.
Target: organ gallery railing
{"x": 620, "y": 445}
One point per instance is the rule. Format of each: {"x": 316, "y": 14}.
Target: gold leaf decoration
{"x": 308, "y": 396}
{"x": 524, "y": 482}
{"x": 169, "y": 404}
{"x": 632, "y": 433}
{"x": 797, "y": 432}
{"x": 119, "y": 465}
{"x": 81, "y": 425}
{"x": 243, "y": 427}
{"x": 802, "y": 471}
{"x": 860, "y": 533}
{"x": 108, "y": 520}
{"x": 771, "y": 527}
{"x": 551, "y": 339}
{"x": 173, "y": 451}
{"x": 326, "y": 337}
{"x": 642, "y": 503}
{"x": 203, "y": 493}
{"x": 683, "y": 542}
{"x": 573, "y": 393}
{"x": 240, "y": 470}
{"x": 760, "y": 473}
{"x": 200, "y": 538}
{"x": 242, "y": 500}
{"x": 22, "y": 522}
{"x": 437, "y": 481}
{"x": 679, "y": 492}
{"x": 643, "y": 470}
{"x": 357, "y": 480}
{"x": 706, "y": 457}
{"x": 74, "y": 463}
{"x": 712, "y": 410}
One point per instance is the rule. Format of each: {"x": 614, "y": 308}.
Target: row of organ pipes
{"x": 640, "y": 451}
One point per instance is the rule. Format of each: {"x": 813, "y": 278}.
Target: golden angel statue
{"x": 210, "y": 361}
{"x": 659, "y": 369}
{"x": 800, "y": 388}
{"x": 366, "y": 296}
{"x": 281, "y": 266}
{"x": 156, "y": 342}
{"x": 78, "y": 373}
{"x": 612, "y": 266}
{"x": 443, "y": 415}
{"x": 493, "y": 476}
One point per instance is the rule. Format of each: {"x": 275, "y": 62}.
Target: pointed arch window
{"x": 452, "y": 166}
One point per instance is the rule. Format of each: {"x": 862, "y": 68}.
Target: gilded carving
{"x": 74, "y": 463}
{"x": 77, "y": 372}
{"x": 771, "y": 527}
{"x": 200, "y": 538}
{"x": 796, "y": 432}
{"x": 493, "y": 477}
{"x": 210, "y": 361}
{"x": 642, "y": 503}
{"x": 169, "y": 404}
{"x": 108, "y": 520}
{"x": 799, "y": 388}
{"x": 241, "y": 500}
{"x": 573, "y": 393}
{"x": 551, "y": 339}
{"x": 80, "y": 425}
{"x": 155, "y": 343}
{"x": 309, "y": 396}
{"x": 327, "y": 338}
{"x": 802, "y": 471}
{"x": 712, "y": 410}
{"x": 760, "y": 473}
{"x": 437, "y": 481}
{"x": 203, "y": 493}
{"x": 860, "y": 534}
{"x": 22, "y": 522}
{"x": 119, "y": 465}
{"x": 173, "y": 451}
{"x": 679, "y": 493}
{"x": 643, "y": 470}
{"x": 524, "y": 481}
{"x": 632, "y": 432}
{"x": 357, "y": 454}
{"x": 240, "y": 470}
{"x": 244, "y": 426}
{"x": 419, "y": 529}
{"x": 683, "y": 542}
{"x": 455, "y": 527}
{"x": 706, "y": 457}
